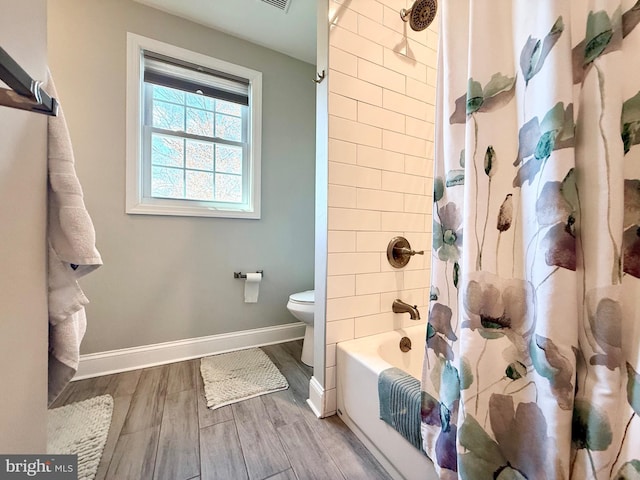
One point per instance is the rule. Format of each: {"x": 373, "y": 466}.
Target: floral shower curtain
{"x": 532, "y": 359}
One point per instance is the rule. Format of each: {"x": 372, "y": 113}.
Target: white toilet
{"x": 301, "y": 305}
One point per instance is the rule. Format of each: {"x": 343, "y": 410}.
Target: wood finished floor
{"x": 162, "y": 429}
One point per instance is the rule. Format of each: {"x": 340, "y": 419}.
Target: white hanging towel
{"x": 72, "y": 254}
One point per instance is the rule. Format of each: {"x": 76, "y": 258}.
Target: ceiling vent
{"x": 279, "y": 4}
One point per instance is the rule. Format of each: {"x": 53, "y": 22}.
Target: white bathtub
{"x": 358, "y": 364}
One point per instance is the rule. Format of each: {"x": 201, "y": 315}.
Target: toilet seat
{"x": 303, "y": 298}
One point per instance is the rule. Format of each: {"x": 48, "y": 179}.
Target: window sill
{"x": 189, "y": 211}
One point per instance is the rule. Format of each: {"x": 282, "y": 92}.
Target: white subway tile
{"x": 420, "y": 37}
{"x": 385, "y": 266}
{"x": 330, "y": 353}
{"x": 343, "y": 62}
{"x": 341, "y": 286}
{"x": 401, "y": 182}
{"x": 378, "y": 158}
{"x": 353, "y": 43}
{"x": 343, "y": 17}
{"x": 420, "y": 241}
{"x": 379, "y": 200}
{"x": 430, "y": 150}
{"x": 406, "y": 322}
{"x": 418, "y": 166}
{"x": 369, "y": 8}
{"x": 429, "y": 196}
{"x": 412, "y": 297}
{"x": 428, "y": 223}
{"x": 374, "y": 324}
{"x": 432, "y": 76}
{"x": 417, "y": 279}
{"x": 379, "y": 282}
{"x": 330, "y": 401}
{"x": 379, "y": 117}
{"x": 339, "y": 331}
{"x": 355, "y": 88}
{"x": 378, "y": 75}
{"x": 406, "y": 105}
{"x": 330, "y": 378}
{"x": 406, "y": 222}
{"x": 405, "y": 65}
{"x": 354, "y": 175}
{"x": 435, "y": 26}
{"x": 421, "y": 52}
{"x": 347, "y": 263}
{"x": 355, "y": 132}
{"x": 343, "y": 107}
{"x": 432, "y": 39}
{"x": 350, "y": 219}
{"x": 348, "y": 307}
{"x": 417, "y": 262}
{"x": 429, "y": 134}
{"x": 390, "y": 17}
{"x": 339, "y": 241}
{"x": 416, "y": 203}
{"x": 378, "y": 33}
{"x": 420, "y": 90}
{"x": 374, "y": 241}
{"x": 431, "y": 118}
{"x": 419, "y": 128}
{"x": 342, "y": 152}
{"x": 341, "y": 196}
{"x": 429, "y": 189}
{"x": 397, "y": 5}
{"x": 399, "y": 142}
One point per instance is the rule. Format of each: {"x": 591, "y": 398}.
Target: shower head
{"x": 421, "y": 14}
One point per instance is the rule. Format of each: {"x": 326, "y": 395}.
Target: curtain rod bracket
{"x": 24, "y": 92}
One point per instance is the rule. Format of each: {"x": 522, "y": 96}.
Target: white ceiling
{"x": 292, "y": 33}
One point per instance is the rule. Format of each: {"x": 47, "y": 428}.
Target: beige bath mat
{"x": 81, "y": 429}
{"x": 235, "y": 376}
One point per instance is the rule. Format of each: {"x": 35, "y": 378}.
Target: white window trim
{"x": 135, "y": 203}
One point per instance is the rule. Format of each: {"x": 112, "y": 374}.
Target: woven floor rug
{"x": 81, "y": 429}
{"x": 235, "y": 376}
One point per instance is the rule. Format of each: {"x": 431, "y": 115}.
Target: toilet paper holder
{"x": 244, "y": 275}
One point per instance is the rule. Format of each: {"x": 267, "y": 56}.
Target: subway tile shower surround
{"x": 381, "y": 130}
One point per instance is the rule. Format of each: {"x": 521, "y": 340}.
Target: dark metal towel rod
{"x": 24, "y": 92}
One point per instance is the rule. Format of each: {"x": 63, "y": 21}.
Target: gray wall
{"x": 168, "y": 278}
{"x": 23, "y": 291}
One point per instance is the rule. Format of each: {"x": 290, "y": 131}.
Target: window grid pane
{"x": 199, "y": 122}
{"x": 228, "y": 127}
{"x": 199, "y": 101}
{"x": 168, "y": 116}
{"x": 228, "y": 159}
{"x": 188, "y": 169}
{"x": 167, "y": 182}
{"x": 228, "y": 188}
{"x": 200, "y": 155}
{"x": 228, "y": 108}
{"x": 167, "y": 94}
{"x": 167, "y": 151}
{"x": 199, "y": 185}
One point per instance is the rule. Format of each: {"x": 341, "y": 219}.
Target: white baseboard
{"x": 114, "y": 361}
{"x": 316, "y": 398}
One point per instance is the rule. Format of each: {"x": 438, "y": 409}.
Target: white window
{"x": 193, "y": 133}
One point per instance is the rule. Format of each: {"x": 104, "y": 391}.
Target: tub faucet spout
{"x": 401, "y": 307}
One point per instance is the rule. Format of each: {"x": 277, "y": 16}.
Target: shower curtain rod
{"x": 24, "y": 92}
